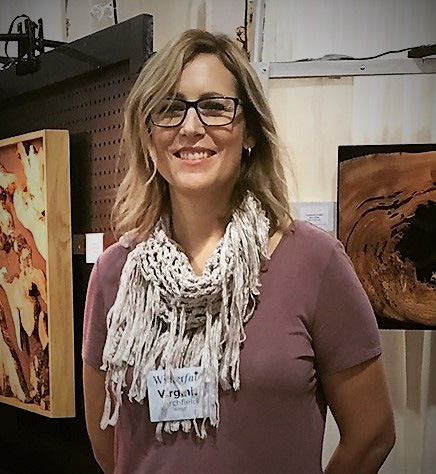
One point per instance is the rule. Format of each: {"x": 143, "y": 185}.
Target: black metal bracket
{"x": 31, "y": 43}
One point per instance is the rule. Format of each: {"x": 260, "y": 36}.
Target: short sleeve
{"x": 94, "y": 324}
{"x": 344, "y": 329}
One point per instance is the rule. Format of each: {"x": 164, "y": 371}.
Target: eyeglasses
{"x": 212, "y": 111}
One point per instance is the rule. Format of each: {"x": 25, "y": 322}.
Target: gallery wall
{"x": 315, "y": 116}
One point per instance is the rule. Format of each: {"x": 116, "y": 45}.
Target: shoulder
{"x": 113, "y": 255}
{"x": 111, "y": 262}
{"x": 304, "y": 254}
{"x": 310, "y": 234}
{"x": 309, "y": 244}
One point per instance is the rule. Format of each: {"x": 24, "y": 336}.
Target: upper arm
{"x": 359, "y": 400}
{"x": 344, "y": 328}
{"x": 94, "y": 322}
{"x": 102, "y": 289}
{"x": 347, "y": 355}
{"x": 94, "y": 336}
{"x": 94, "y": 393}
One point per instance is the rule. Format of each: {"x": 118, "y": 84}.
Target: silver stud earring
{"x": 248, "y": 151}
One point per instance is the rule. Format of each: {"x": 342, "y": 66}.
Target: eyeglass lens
{"x": 212, "y": 111}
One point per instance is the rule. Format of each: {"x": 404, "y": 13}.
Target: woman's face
{"x": 193, "y": 157}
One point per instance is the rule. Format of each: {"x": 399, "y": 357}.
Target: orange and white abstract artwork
{"x": 35, "y": 282}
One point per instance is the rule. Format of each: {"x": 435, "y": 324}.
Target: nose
{"x": 192, "y": 124}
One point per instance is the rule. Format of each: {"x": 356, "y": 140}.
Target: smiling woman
{"x": 234, "y": 323}
{"x": 197, "y": 157}
{"x": 198, "y": 66}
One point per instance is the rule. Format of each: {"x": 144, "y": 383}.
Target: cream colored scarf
{"x": 165, "y": 316}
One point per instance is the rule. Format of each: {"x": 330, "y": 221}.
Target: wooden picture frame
{"x": 36, "y": 296}
{"x": 387, "y": 223}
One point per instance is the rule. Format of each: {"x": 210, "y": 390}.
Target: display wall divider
{"x": 80, "y": 87}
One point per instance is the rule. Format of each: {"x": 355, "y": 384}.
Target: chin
{"x": 202, "y": 187}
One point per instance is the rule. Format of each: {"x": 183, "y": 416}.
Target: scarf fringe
{"x": 166, "y": 317}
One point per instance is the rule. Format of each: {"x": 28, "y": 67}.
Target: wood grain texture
{"x": 36, "y": 314}
{"x": 379, "y": 197}
{"x": 59, "y": 273}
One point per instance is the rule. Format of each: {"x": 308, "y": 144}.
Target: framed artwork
{"x": 36, "y": 299}
{"x": 387, "y": 223}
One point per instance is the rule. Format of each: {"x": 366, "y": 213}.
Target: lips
{"x": 194, "y": 154}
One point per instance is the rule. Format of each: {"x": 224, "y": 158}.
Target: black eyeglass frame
{"x": 194, "y": 104}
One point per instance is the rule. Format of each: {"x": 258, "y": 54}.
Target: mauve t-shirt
{"x": 312, "y": 318}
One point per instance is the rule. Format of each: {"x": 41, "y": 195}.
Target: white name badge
{"x": 177, "y": 396}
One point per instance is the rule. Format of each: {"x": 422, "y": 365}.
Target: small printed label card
{"x": 177, "y": 396}
{"x": 93, "y": 246}
{"x": 321, "y": 214}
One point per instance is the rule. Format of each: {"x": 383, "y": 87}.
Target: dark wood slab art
{"x": 387, "y": 222}
{"x": 36, "y": 335}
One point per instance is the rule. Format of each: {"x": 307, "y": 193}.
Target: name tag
{"x": 178, "y": 396}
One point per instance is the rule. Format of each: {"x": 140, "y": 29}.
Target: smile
{"x": 194, "y": 155}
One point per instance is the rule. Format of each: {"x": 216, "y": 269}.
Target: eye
{"x": 212, "y": 104}
{"x": 170, "y": 108}
{"x": 216, "y": 106}
{"x": 176, "y": 107}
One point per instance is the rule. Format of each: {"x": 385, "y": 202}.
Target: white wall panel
{"x": 297, "y": 29}
{"x": 314, "y": 116}
{"x": 170, "y": 17}
{"x": 394, "y": 109}
{"x": 84, "y": 17}
{"x": 225, "y": 16}
{"x": 317, "y": 115}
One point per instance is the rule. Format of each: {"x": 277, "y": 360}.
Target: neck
{"x": 198, "y": 222}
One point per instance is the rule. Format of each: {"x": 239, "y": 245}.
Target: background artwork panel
{"x": 387, "y": 223}
{"x": 36, "y": 313}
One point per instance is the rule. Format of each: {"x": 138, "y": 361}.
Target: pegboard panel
{"x": 95, "y": 113}
{"x": 91, "y": 107}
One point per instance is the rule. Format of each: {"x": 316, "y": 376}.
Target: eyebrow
{"x": 205, "y": 95}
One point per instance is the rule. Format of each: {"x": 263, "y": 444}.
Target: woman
{"x": 213, "y": 276}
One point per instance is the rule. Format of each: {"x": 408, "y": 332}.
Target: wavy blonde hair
{"x": 143, "y": 194}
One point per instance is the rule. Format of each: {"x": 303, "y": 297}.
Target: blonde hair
{"x": 143, "y": 194}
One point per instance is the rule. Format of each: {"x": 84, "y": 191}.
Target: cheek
{"x": 160, "y": 141}
{"x": 163, "y": 164}
{"x": 233, "y": 151}
{"x": 230, "y": 141}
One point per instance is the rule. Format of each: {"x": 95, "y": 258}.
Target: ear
{"x": 249, "y": 141}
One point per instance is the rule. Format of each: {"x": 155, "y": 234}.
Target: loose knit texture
{"x": 165, "y": 316}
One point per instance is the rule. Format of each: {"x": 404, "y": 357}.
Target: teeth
{"x": 198, "y": 155}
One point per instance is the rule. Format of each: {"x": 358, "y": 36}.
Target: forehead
{"x": 204, "y": 74}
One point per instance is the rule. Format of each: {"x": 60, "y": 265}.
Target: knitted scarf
{"x": 165, "y": 316}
